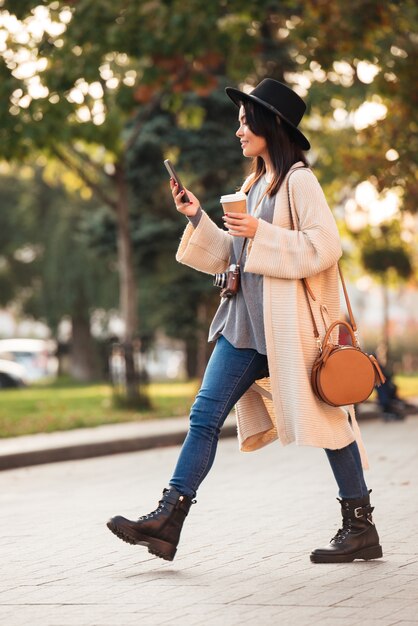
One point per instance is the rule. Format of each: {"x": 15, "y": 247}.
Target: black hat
{"x": 279, "y": 99}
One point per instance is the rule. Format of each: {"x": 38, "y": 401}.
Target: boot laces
{"x": 161, "y": 507}
{"x": 153, "y": 514}
{"x": 342, "y": 533}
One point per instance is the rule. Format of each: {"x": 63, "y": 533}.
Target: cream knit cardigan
{"x": 284, "y": 406}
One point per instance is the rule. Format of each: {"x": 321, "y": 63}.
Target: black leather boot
{"x": 357, "y": 539}
{"x": 160, "y": 530}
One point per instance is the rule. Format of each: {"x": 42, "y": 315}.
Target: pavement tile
{"x": 353, "y": 620}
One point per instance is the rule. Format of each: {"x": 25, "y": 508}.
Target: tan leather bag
{"x": 345, "y": 374}
{"x": 341, "y": 374}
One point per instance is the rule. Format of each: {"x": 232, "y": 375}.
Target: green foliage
{"x": 383, "y": 34}
{"x": 18, "y": 257}
{"x": 170, "y": 293}
{"x": 48, "y": 265}
{"x": 156, "y": 52}
{"x": 384, "y": 251}
{"x": 130, "y": 52}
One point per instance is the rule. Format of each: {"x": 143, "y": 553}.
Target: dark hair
{"x": 283, "y": 150}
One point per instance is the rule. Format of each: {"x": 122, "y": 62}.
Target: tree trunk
{"x": 127, "y": 283}
{"x": 198, "y": 350}
{"x": 202, "y": 339}
{"x": 127, "y": 289}
{"x": 191, "y": 357}
{"x": 385, "y": 348}
{"x": 84, "y": 365}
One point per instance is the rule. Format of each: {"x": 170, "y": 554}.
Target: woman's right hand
{"x": 187, "y": 208}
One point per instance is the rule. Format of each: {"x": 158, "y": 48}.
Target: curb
{"x": 79, "y": 451}
{"x": 111, "y": 439}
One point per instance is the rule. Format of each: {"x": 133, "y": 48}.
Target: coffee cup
{"x": 234, "y": 202}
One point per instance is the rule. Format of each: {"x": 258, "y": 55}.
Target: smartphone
{"x": 175, "y": 177}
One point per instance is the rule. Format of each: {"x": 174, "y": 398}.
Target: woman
{"x": 265, "y": 345}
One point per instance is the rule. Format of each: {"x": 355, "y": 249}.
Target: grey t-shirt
{"x": 240, "y": 318}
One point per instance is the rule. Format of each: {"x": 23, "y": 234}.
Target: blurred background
{"x": 98, "y": 323}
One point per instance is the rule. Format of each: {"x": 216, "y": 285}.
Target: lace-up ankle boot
{"x": 357, "y": 539}
{"x": 160, "y": 530}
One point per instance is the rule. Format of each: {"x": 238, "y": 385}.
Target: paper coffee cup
{"x": 234, "y": 202}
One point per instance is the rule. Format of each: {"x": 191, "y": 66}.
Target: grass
{"x": 407, "y": 385}
{"x": 63, "y": 405}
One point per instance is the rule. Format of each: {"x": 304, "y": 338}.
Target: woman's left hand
{"x": 241, "y": 224}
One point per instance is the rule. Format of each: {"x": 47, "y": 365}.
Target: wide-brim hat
{"x": 279, "y": 99}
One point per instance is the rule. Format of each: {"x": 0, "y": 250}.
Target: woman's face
{"x": 252, "y": 145}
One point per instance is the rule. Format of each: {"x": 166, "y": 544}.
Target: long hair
{"x": 283, "y": 150}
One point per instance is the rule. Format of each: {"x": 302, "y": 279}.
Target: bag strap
{"x": 347, "y": 301}
{"x": 308, "y": 291}
{"x": 238, "y": 263}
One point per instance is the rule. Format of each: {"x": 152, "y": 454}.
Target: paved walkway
{"x": 243, "y": 558}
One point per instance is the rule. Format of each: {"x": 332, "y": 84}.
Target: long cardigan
{"x": 284, "y": 406}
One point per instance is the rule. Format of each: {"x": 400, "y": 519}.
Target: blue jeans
{"x": 348, "y": 472}
{"x": 229, "y": 373}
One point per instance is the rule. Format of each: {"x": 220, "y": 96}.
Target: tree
{"x": 354, "y": 63}
{"x": 95, "y": 78}
{"x": 386, "y": 256}
{"x": 49, "y": 268}
{"x": 17, "y": 267}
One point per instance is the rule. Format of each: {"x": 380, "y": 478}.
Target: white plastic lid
{"x": 234, "y": 197}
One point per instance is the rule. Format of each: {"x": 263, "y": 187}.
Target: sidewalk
{"x": 244, "y": 554}
{"x": 86, "y": 443}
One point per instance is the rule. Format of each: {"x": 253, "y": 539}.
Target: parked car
{"x": 11, "y": 374}
{"x": 36, "y": 356}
